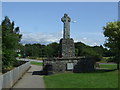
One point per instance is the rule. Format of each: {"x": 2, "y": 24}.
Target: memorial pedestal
{"x": 67, "y": 48}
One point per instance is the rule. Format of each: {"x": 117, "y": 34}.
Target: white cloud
{"x": 46, "y": 38}
{"x": 74, "y": 21}
{"x": 42, "y": 38}
{"x": 90, "y": 38}
{"x": 88, "y": 41}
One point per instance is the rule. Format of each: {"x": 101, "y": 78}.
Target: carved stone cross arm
{"x": 65, "y": 18}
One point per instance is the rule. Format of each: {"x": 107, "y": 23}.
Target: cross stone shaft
{"x": 66, "y": 20}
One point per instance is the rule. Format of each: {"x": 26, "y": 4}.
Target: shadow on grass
{"x": 103, "y": 70}
{"x": 95, "y": 71}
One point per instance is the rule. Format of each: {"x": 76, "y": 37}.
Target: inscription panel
{"x": 69, "y": 66}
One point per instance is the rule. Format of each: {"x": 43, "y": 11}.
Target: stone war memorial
{"x": 67, "y": 43}
{"x": 67, "y": 60}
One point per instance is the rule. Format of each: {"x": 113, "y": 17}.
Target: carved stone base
{"x": 67, "y": 48}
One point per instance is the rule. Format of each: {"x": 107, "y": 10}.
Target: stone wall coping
{"x": 70, "y": 58}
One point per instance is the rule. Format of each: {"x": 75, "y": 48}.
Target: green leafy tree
{"x": 84, "y": 50}
{"x": 53, "y": 49}
{"x": 33, "y": 50}
{"x": 79, "y": 46}
{"x": 112, "y": 34}
{"x": 10, "y": 42}
{"x": 99, "y": 50}
{"x": 76, "y": 52}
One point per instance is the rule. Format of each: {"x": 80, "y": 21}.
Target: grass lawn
{"x": 36, "y": 63}
{"x": 109, "y": 66}
{"x": 82, "y": 80}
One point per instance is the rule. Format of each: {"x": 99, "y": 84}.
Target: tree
{"x": 112, "y": 34}
{"x": 84, "y": 50}
{"x": 79, "y": 46}
{"x": 53, "y": 49}
{"x": 10, "y": 42}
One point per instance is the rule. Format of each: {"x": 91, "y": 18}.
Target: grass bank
{"x": 36, "y": 63}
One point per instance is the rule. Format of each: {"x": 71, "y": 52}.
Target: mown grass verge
{"x": 108, "y": 66}
{"x": 36, "y": 63}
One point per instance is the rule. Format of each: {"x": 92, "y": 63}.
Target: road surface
{"x": 24, "y": 59}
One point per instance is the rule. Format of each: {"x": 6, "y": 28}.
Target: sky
{"x": 40, "y": 22}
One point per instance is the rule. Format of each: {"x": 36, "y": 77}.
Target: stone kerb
{"x": 8, "y": 79}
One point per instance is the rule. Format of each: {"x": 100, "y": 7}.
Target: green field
{"x": 98, "y": 79}
{"x": 108, "y": 66}
{"x": 36, "y": 63}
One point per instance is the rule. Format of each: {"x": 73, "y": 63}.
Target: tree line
{"x": 53, "y": 50}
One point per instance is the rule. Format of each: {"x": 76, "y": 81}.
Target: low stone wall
{"x": 75, "y": 64}
{"x": 84, "y": 65}
{"x": 8, "y": 79}
{"x": 1, "y": 80}
{"x": 59, "y": 65}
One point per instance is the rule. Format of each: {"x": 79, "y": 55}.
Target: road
{"x": 24, "y": 59}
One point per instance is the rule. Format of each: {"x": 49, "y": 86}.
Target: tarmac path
{"x": 31, "y": 79}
